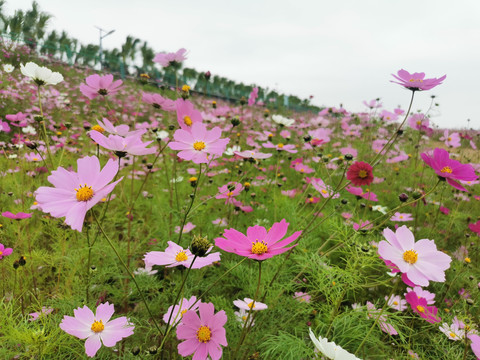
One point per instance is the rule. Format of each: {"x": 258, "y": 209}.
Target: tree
{"x": 147, "y": 57}
{"x": 129, "y": 50}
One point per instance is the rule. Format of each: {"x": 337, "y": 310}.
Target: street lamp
{"x": 101, "y": 37}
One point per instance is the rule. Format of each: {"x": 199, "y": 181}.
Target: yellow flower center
{"x": 362, "y": 174}
{"x": 453, "y": 335}
{"x": 203, "y": 334}
{"x": 446, "y": 169}
{"x": 395, "y": 303}
{"x": 98, "y": 128}
{"x": 410, "y": 256}
{"x": 467, "y": 260}
{"x": 259, "y": 248}
{"x": 84, "y": 193}
{"x": 230, "y": 194}
{"x": 419, "y": 122}
{"x": 35, "y": 159}
{"x": 187, "y": 120}
{"x": 420, "y": 308}
{"x": 181, "y": 256}
{"x": 401, "y": 216}
{"x": 416, "y": 80}
{"x": 1, "y": 253}
{"x": 280, "y": 145}
{"x": 251, "y": 305}
{"x": 324, "y": 191}
{"x": 449, "y": 139}
{"x": 183, "y": 312}
{"x": 199, "y": 145}
{"x": 97, "y": 326}
{"x": 244, "y": 318}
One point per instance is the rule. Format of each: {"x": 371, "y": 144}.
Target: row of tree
{"x": 134, "y": 57}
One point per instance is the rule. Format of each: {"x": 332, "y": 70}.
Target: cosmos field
{"x": 142, "y": 220}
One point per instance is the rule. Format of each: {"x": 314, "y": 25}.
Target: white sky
{"x": 338, "y": 51}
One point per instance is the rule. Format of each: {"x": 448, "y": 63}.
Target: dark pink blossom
{"x": 17, "y": 216}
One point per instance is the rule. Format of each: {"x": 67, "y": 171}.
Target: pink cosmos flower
{"x": 176, "y": 312}
{"x": 186, "y": 229}
{"x": 167, "y": 59}
{"x": 401, "y": 217}
{"x": 419, "y": 305}
{"x": 453, "y": 332}
{"x": 373, "y": 313}
{"x": 74, "y": 193}
{"x": 248, "y": 304}
{"x": 253, "y": 96}
{"x": 17, "y": 216}
{"x": 418, "y": 121}
{"x": 251, "y": 154}
{"x": 363, "y": 225}
{"x": 451, "y": 140}
{"x": 302, "y": 297}
{"x": 100, "y": 85}
{"x": 203, "y": 334}
{"x": 229, "y": 191}
{"x": 320, "y": 136}
{"x": 288, "y": 148}
{"x": 132, "y": 145}
{"x": 199, "y": 144}
{"x": 220, "y": 222}
{"x": 304, "y": 169}
{"x": 416, "y": 81}
{"x": 475, "y": 345}
{"x": 98, "y": 328}
{"x": 449, "y": 169}
{"x": 175, "y": 255}
{"x": 36, "y": 315}
{"x": 158, "y": 101}
{"x": 4, "y": 126}
{"x": 420, "y": 261}
{"x": 187, "y": 115}
{"x": 19, "y": 119}
{"x": 258, "y": 244}
{"x": 4, "y": 251}
{"x": 120, "y": 130}
{"x": 324, "y": 190}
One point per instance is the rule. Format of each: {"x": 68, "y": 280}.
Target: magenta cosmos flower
{"x": 170, "y": 58}
{"x": 98, "y": 328}
{"x": 175, "y": 255}
{"x": 360, "y": 173}
{"x": 74, "y": 193}
{"x": 100, "y": 85}
{"x": 199, "y": 144}
{"x": 420, "y": 261}
{"x": 258, "y": 244}
{"x": 17, "y": 216}
{"x": 203, "y": 334}
{"x": 229, "y": 191}
{"x": 4, "y": 251}
{"x": 449, "y": 169}
{"x": 416, "y": 81}
{"x": 419, "y": 305}
{"x": 132, "y": 144}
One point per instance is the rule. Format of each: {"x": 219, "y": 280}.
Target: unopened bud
{"x": 200, "y": 246}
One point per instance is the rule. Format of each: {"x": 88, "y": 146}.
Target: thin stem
{"x": 246, "y": 324}
{"x": 47, "y": 143}
{"x": 129, "y": 273}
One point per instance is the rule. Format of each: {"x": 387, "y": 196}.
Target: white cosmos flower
{"x": 40, "y": 74}
{"x": 382, "y": 209}
{"x": 230, "y": 150}
{"x": 30, "y": 130}
{"x": 330, "y": 349}
{"x": 8, "y": 68}
{"x": 279, "y": 119}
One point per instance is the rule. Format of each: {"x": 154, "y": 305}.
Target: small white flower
{"x": 8, "y": 68}
{"x": 30, "y": 130}
{"x": 281, "y": 120}
{"x": 162, "y": 134}
{"x": 382, "y": 209}
{"x": 40, "y": 74}
{"x": 231, "y": 150}
{"x": 12, "y": 156}
{"x": 330, "y": 349}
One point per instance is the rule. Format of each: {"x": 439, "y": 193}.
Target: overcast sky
{"x": 341, "y": 52}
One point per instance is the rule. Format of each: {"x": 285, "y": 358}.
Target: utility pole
{"x": 101, "y": 38}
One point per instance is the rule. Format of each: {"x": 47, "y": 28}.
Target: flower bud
{"x": 200, "y": 246}
{"x": 403, "y": 197}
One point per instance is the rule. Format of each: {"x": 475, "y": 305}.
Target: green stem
{"x": 47, "y": 143}
{"x": 129, "y": 273}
